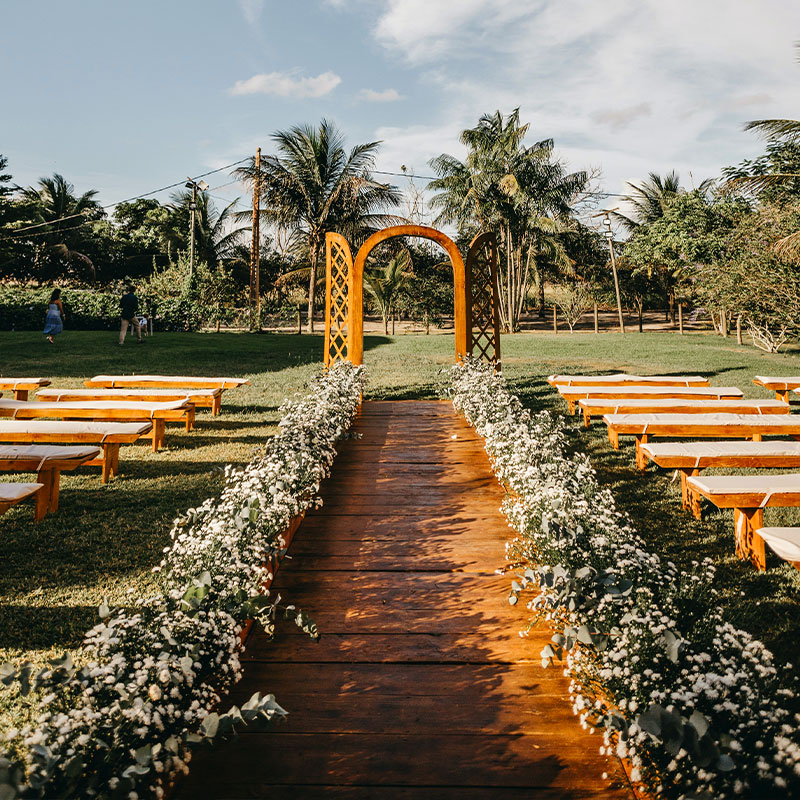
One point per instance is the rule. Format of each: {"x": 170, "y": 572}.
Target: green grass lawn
{"x": 104, "y": 540}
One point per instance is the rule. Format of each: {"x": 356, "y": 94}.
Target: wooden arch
{"x": 344, "y": 292}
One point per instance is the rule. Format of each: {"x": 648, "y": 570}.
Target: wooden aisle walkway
{"x": 421, "y": 686}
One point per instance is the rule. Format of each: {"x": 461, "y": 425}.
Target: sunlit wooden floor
{"x": 421, "y": 686}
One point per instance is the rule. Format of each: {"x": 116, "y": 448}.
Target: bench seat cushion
{"x": 186, "y": 379}
{"x": 14, "y": 492}
{"x": 656, "y": 391}
{"x": 779, "y": 382}
{"x": 784, "y": 541}
{"x": 721, "y": 449}
{"x": 91, "y": 405}
{"x": 46, "y": 452}
{"x": 746, "y": 484}
{"x": 624, "y": 377}
{"x": 644, "y": 421}
{"x": 667, "y": 402}
{"x": 65, "y": 428}
{"x": 53, "y": 394}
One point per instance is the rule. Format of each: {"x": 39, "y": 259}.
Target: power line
{"x": 120, "y": 202}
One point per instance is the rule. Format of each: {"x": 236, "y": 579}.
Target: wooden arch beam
{"x": 462, "y": 324}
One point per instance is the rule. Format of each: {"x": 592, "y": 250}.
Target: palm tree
{"x": 650, "y": 199}
{"x": 313, "y": 186}
{"x": 520, "y": 191}
{"x": 786, "y": 131}
{"x": 63, "y": 217}
{"x": 385, "y": 285}
{"x": 216, "y": 237}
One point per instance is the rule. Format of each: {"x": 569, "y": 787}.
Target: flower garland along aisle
{"x": 695, "y": 705}
{"x": 124, "y": 723}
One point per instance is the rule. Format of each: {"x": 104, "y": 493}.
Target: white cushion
{"x": 779, "y": 382}
{"x": 677, "y": 402}
{"x": 784, "y": 541}
{"x": 14, "y": 492}
{"x": 746, "y": 484}
{"x": 710, "y": 449}
{"x": 777, "y": 421}
{"x": 67, "y": 428}
{"x": 187, "y": 379}
{"x": 624, "y": 377}
{"x": 46, "y": 452}
{"x": 99, "y": 405}
{"x": 114, "y": 393}
{"x": 655, "y": 391}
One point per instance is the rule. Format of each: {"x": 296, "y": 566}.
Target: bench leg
{"x": 613, "y": 437}
{"x": 750, "y": 545}
{"x": 107, "y": 462}
{"x": 51, "y": 478}
{"x": 587, "y": 417}
{"x": 158, "y": 434}
{"x": 20, "y": 394}
{"x": 571, "y": 405}
{"x": 190, "y": 419}
{"x": 641, "y": 458}
{"x": 694, "y": 498}
{"x": 783, "y": 395}
{"x": 43, "y": 495}
{"x": 757, "y": 437}
{"x": 216, "y": 406}
{"x": 114, "y": 455}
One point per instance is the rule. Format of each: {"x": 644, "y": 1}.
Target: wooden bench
{"x": 13, "y": 493}
{"x": 748, "y": 496}
{"x": 106, "y": 435}
{"x": 21, "y": 386}
{"x": 698, "y": 426}
{"x": 572, "y": 394}
{"x": 48, "y": 461}
{"x": 624, "y": 379}
{"x": 688, "y": 458}
{"x": 199, "y": 398}
{"x": 781, "y": 386}
{"x": 156, "y": 413}
{"x": 595, "y": 406}
{"x": 167, "y": 382}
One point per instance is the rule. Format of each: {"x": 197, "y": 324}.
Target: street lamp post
{"x": 194, "y": 186}
{"x": 610, "y": 237}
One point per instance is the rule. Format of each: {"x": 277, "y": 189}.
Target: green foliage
{"x": 387, "y": 285}
{"x": 523, "y": 193}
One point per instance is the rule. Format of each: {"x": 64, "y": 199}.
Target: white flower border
{"x": 696, "y": 706}
{"x": 124, "y": 723}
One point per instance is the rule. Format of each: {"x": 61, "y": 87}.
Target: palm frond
{"x": 786, "y": 129}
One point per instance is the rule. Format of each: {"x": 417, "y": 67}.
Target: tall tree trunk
{"x": 312, "y": 283}
{"x": 509, "y": 268}
{"x": 541, "y": 295}
{"x": 672, "y": 306}
{"x": 385, "y": 323}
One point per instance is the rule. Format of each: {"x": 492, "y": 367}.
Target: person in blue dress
{"x": 54, "y": 322}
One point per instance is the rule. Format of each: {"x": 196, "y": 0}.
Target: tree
{"x": 574, "y": 299}
{"x": 64, "y": 232}
{"x": 215, "y": 235}
{"x": 747, "y": 277}
{"x": 775, "y": 176}
{"x": 386, "y": 285}
{"x": 313, "y": 186}
{"x": 649, "y": 200}
{"x": 672, "y": 248}
{"x": 521, "y": 192}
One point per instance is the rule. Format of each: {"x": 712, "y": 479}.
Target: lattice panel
{"x": 482, "y": 298}
{"x": 339, "y": 274}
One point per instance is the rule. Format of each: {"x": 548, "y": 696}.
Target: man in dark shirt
{"x": 129, "y": 305}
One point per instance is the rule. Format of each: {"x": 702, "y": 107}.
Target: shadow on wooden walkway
{"x": 420, "y": 686}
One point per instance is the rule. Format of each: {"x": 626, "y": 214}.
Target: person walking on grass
{"x": 54, "y": 321}
{"x": 129, "y": 305}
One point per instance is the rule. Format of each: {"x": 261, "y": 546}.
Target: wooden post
{"x": 299, "y": 320}
{"x": 738, "y": 329}
{"x": 680, "y": 318}
{"x": 596, "y": 319}
{"x": 555, "y": 318}
{"x": 255, "y": 270}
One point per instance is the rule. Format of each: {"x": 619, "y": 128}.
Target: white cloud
{"x": 251, "y": 10}
{"x": 634, "y": 85}
{"x": 286, "y": 84}
{"x": 618, "y": 118}
{"x": 386, "y": 96}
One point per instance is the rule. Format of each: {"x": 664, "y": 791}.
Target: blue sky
{"x": 127, "y": 97}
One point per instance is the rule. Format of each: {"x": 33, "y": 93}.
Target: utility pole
{"x": 255, "y": 288}
{"x": 610, "y": 236}
{"x": 192, "y": 208}
{"x": 194, "y": 186}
